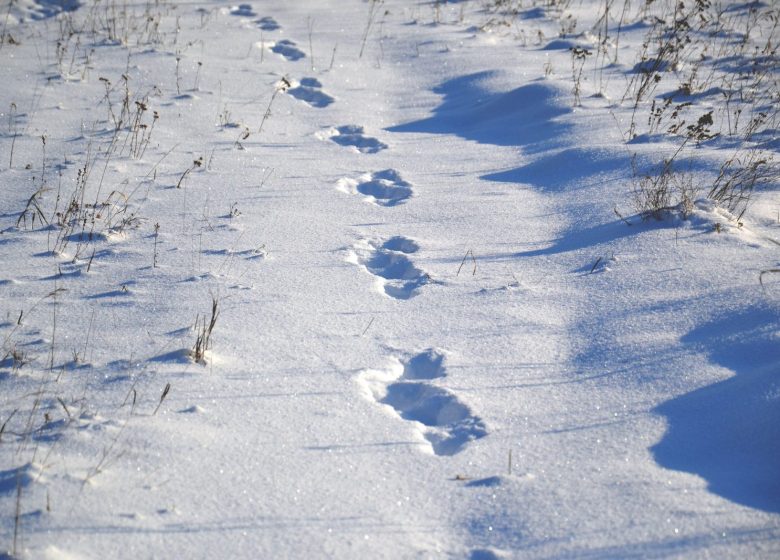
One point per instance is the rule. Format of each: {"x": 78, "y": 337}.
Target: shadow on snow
{"x": 598, "y": 235}
{"x": 567, "y": 167}
{"x": 523, "y": 117}
{"x": 729, "y": 432}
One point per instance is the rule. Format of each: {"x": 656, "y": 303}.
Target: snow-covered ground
{"x": 389, "y": 279}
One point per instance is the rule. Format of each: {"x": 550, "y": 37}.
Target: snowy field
{"x": 389, "y": 279}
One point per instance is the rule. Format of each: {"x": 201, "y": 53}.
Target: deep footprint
{"x": 352, "y": 136}
{"x": 288, "y": 50}
{"x": 309, "y": 90}
{"x": 452, "y": 423}
{"x": 268, "y": 24}
{"x": 242, "y": 10}
{"x": 401, "y": 278}
{"x": 425, "y": 365}
{"x": 401, "y": 244}
{"x": 448, "y": 423}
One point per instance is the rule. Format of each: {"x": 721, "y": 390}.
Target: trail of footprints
{"x": 266, "y": 23}
{"x": 410, "y": 389}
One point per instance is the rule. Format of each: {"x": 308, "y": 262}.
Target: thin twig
{"x": 165, "y": 392}
{"x": 473, "y": 260}
{"x": 619, "y": 215}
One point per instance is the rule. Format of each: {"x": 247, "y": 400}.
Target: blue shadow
{"x": 568, "y": 167}
{"x": 595, "y": 236}
{"x": 523, "y": 117}
{"x": 729, "y": 432}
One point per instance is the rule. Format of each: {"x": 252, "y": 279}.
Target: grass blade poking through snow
{"x": 204, "y": 330}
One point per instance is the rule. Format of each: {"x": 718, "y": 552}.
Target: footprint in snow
{"x": 288, "y": 50}
{"x": 401, "y": 244}
{"x": 424, "y": 366}
{"x": 398, "y": 277}
{"x": 242, "y": 10}
{"x": 385, "y": 188}
{"x": 444, "y": 420}
{"x": 268, "y": 24}
{"x": 487, "y": 554}
{"x": 352, "y": 136}
{"x": 309, "y": 90}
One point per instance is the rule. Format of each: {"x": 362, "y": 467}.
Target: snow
{"x": 432, "y": 322}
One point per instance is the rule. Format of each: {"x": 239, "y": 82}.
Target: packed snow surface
{"x": 389, "y": 279}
